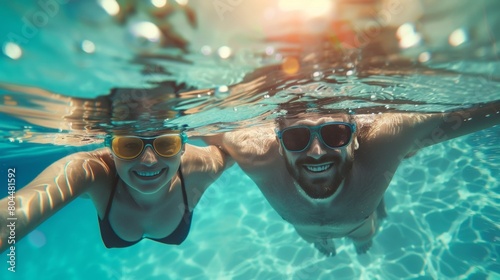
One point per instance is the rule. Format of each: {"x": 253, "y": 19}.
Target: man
{"x": 327, "y": 174}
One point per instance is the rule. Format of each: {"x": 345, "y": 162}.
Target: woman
{"x": 142, "y": 187}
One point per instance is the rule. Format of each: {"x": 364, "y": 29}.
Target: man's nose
{"x": 316, "y": 150}
{"x": 148, "y": 157}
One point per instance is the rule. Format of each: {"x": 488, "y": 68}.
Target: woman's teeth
{"x": 148, "y": 173}
{"x": 318, "y": 168}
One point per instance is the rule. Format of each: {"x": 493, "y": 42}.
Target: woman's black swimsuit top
{"x": 111, "y": 240}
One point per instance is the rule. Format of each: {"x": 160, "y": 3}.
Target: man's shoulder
{"x": 372, "y": 126}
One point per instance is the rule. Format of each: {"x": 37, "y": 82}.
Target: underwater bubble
{"x": 270, "y": 50}
{"x": 110, "y": 6}
{"x": 206, "y": 50}
{"x": 408, "y": 36}
{"x": 221, "y": 91}
{"x": 458, "y": 37}
{"x": 144, "y": 34}
{"x": 159, "y": 3}
{"x": 12, "y": 50}
{"x": 349, "y": 73}
{"x": 87, "y": 46}
{"x": 424, "y": 57}
{"x": 224, "y": 52}
{"x": 318, "y": 75}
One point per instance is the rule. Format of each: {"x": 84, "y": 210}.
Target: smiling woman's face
{"x": 149, "y": 172}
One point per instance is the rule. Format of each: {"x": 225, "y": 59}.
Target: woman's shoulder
{"x": 99, "y": 164}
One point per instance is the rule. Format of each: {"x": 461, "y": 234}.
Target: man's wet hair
{"x": 298, "y": 110}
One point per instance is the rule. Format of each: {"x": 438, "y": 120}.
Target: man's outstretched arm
{"x": 449, "y": 125}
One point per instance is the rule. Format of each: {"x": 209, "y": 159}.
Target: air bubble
{"x": 12, "y": 50}
{"x": 424, "y": 57}
{"x": 221, "y": 92}
{"x": 206, "y": 50}
{"x": 144, "y": 34}
{"x": 318, "y": 75}
{"x": 224, "y": 52}
{"x": 270, "y": 50}
{"x": 87, "y": 46}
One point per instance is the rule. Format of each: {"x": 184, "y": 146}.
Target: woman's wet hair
{"x": 144, "y": 111}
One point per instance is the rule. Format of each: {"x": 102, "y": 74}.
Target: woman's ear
{"x": 111, "y": 155}
{"x": 280, "y": 149}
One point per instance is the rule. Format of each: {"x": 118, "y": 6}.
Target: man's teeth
{"x": 148, "y": 173}
{"x": 318, "y": 168}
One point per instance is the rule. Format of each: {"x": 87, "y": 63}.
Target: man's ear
{"x": 356, "y": 143}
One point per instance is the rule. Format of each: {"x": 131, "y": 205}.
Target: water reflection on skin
{"x": 328, "y": 193}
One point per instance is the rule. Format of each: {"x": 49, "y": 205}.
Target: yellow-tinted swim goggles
{"x": 130, "y": 147}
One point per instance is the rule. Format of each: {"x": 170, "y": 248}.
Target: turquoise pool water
{"x": 443, "y": 208}
{"x": 443, "y": 203}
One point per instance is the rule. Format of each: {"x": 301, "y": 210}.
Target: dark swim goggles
{"x": 130, "y": 147}
{"x": 331, "y": 134}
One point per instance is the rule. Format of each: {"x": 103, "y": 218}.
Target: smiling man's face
{"x": 319, "y": 170}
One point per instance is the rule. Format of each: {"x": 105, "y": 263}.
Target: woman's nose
{"x": 148, "y": 157}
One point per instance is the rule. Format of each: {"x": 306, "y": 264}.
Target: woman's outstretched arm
{"x": 50, "y": 191}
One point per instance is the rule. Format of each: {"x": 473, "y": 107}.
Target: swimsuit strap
{"x": 111, "y": 196}
{"x": 184, "y": 195}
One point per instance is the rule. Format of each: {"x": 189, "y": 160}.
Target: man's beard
{"x": 320, "y": 188}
